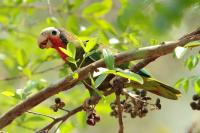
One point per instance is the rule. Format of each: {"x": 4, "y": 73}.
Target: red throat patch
{"x": 57, "y": 42}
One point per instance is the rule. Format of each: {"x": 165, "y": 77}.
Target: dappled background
{"x": 117, "y": 24}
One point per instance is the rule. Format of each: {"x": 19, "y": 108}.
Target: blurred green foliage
{"x": 122, "y": 24}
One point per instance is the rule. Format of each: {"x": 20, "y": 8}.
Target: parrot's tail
{"x": 159, "y": 88}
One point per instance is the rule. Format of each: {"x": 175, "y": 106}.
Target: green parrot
{"x": 52, "y": 37}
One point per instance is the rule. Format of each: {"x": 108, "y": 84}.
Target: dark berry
{"x": 61, "y": 104}
{"x": 91, "y": 122}
{"x": 193, "y": 105}
{"x": 157, "y": 101}
{"x": 91, "y": 116}
{"x": 112, "y": 106}
{"x": 145, "y": 110}
{"x": 123, "y": 101}
{"x": 55, "y": 109}
{"x": 126, "y": 106}
{"x": 97, "y": 118}
{"x": 114, "y": 113}
{"x": 198, "y": 107}
{"x": 133, "y": 114}
{"x": 57, "y": 100}
{"x": 137, "y": 92}
{"x": 195, "y": 97}
{"x": 146, "y": 98}
{"x": 158, "y": 106}
{"x": 143, "y": 93}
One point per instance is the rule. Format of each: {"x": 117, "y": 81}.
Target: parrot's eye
{"x": 54, "y": 32}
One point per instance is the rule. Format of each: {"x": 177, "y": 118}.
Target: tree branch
{"x": 60, "y": 119}
{"x": 68, "y": 82}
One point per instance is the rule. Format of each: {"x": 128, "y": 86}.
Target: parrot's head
{"x": 52, "y": 37}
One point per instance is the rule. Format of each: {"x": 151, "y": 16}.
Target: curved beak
{"x": 43, "y": 41}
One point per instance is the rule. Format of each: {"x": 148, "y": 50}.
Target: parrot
{"x": 52, "y": 37}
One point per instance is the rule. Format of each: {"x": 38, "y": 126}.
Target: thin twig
{"x": 62, "y": 118}
{"x": 34, "y": 73}
{"x": 120, "y": 111}
{"x": 124, "y": 91}
{"x": 64, "y": 110}
{"x": 41, "y": 114}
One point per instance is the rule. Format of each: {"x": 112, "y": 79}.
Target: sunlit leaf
{"x": 21, "y": 58}
{"x": 197, "y": 86}
{"x": 81, "y": 119}
{"x": 134, "y": 40}
{"x": 72, "y": 24}
{"x": 98, "y": 8}
{"x": 35, "y": 118}
{"x": 192, "y": 44}
{"x": 90, "y": 45}
{"x": 109, "y": 59}
{"x": 186, "y": 85}
{"x": 99, "y": 80}
{"x": 71, "y": 50}
{"x": 52, "y": 20}
{"x": 75, "y": 75}
{"x": 126, "y": 74}
{"x": 192, "y": 62}
{"x": 67, "y": 127}
{"x": 8, "y": 93}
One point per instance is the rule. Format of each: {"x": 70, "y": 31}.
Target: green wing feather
{"x": 158, "y": 88}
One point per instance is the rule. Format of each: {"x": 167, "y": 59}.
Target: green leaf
{"x": 21, "y": 58}
{"x": 180, "y": 52}
{"x": 72, "y": 60}
{"x": 109, "y": 59}
{"x": 27, "y": 72}
{"x": 197, "y": 86}
{"x": 153, "y": 41}
{"x": 67, "y": 127}
{"x": 72, "y": 24}
{"x": 99, "y": 80}
{"x": 8, "y": 93}
{"x": 90, "y": 45}
{"x": 134, "y": 40}
{"x": 81, "y": 118}
{"x": 31, "y": 84}
{"x": 186, "y": 85}
{"x": 98, "y": 8}
{"x": 126, "y": 74}
{"x": 179, "y": 83}
{"x": 95, "y": 89}
{"x": 192, "y": 62}
{"x": 52, "y": 21}
{"x": 75, "y": 75}
{"x": 192, "y": 44}
{"x": 71, "y": 50}
{"x": 35, "y": 118}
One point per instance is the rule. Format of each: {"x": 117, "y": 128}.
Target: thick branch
{"x": 69, "y": 82}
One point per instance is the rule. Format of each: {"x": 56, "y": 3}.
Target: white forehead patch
{"x": 50, "y": 29}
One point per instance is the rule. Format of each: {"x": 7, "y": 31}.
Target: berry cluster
{"x": 195, "y": 105}
{"x": 58, "y": 105}
{"x": 89, "y": 108}
{"x": 93, "y": 118}
{"x": 135, "y": 104}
